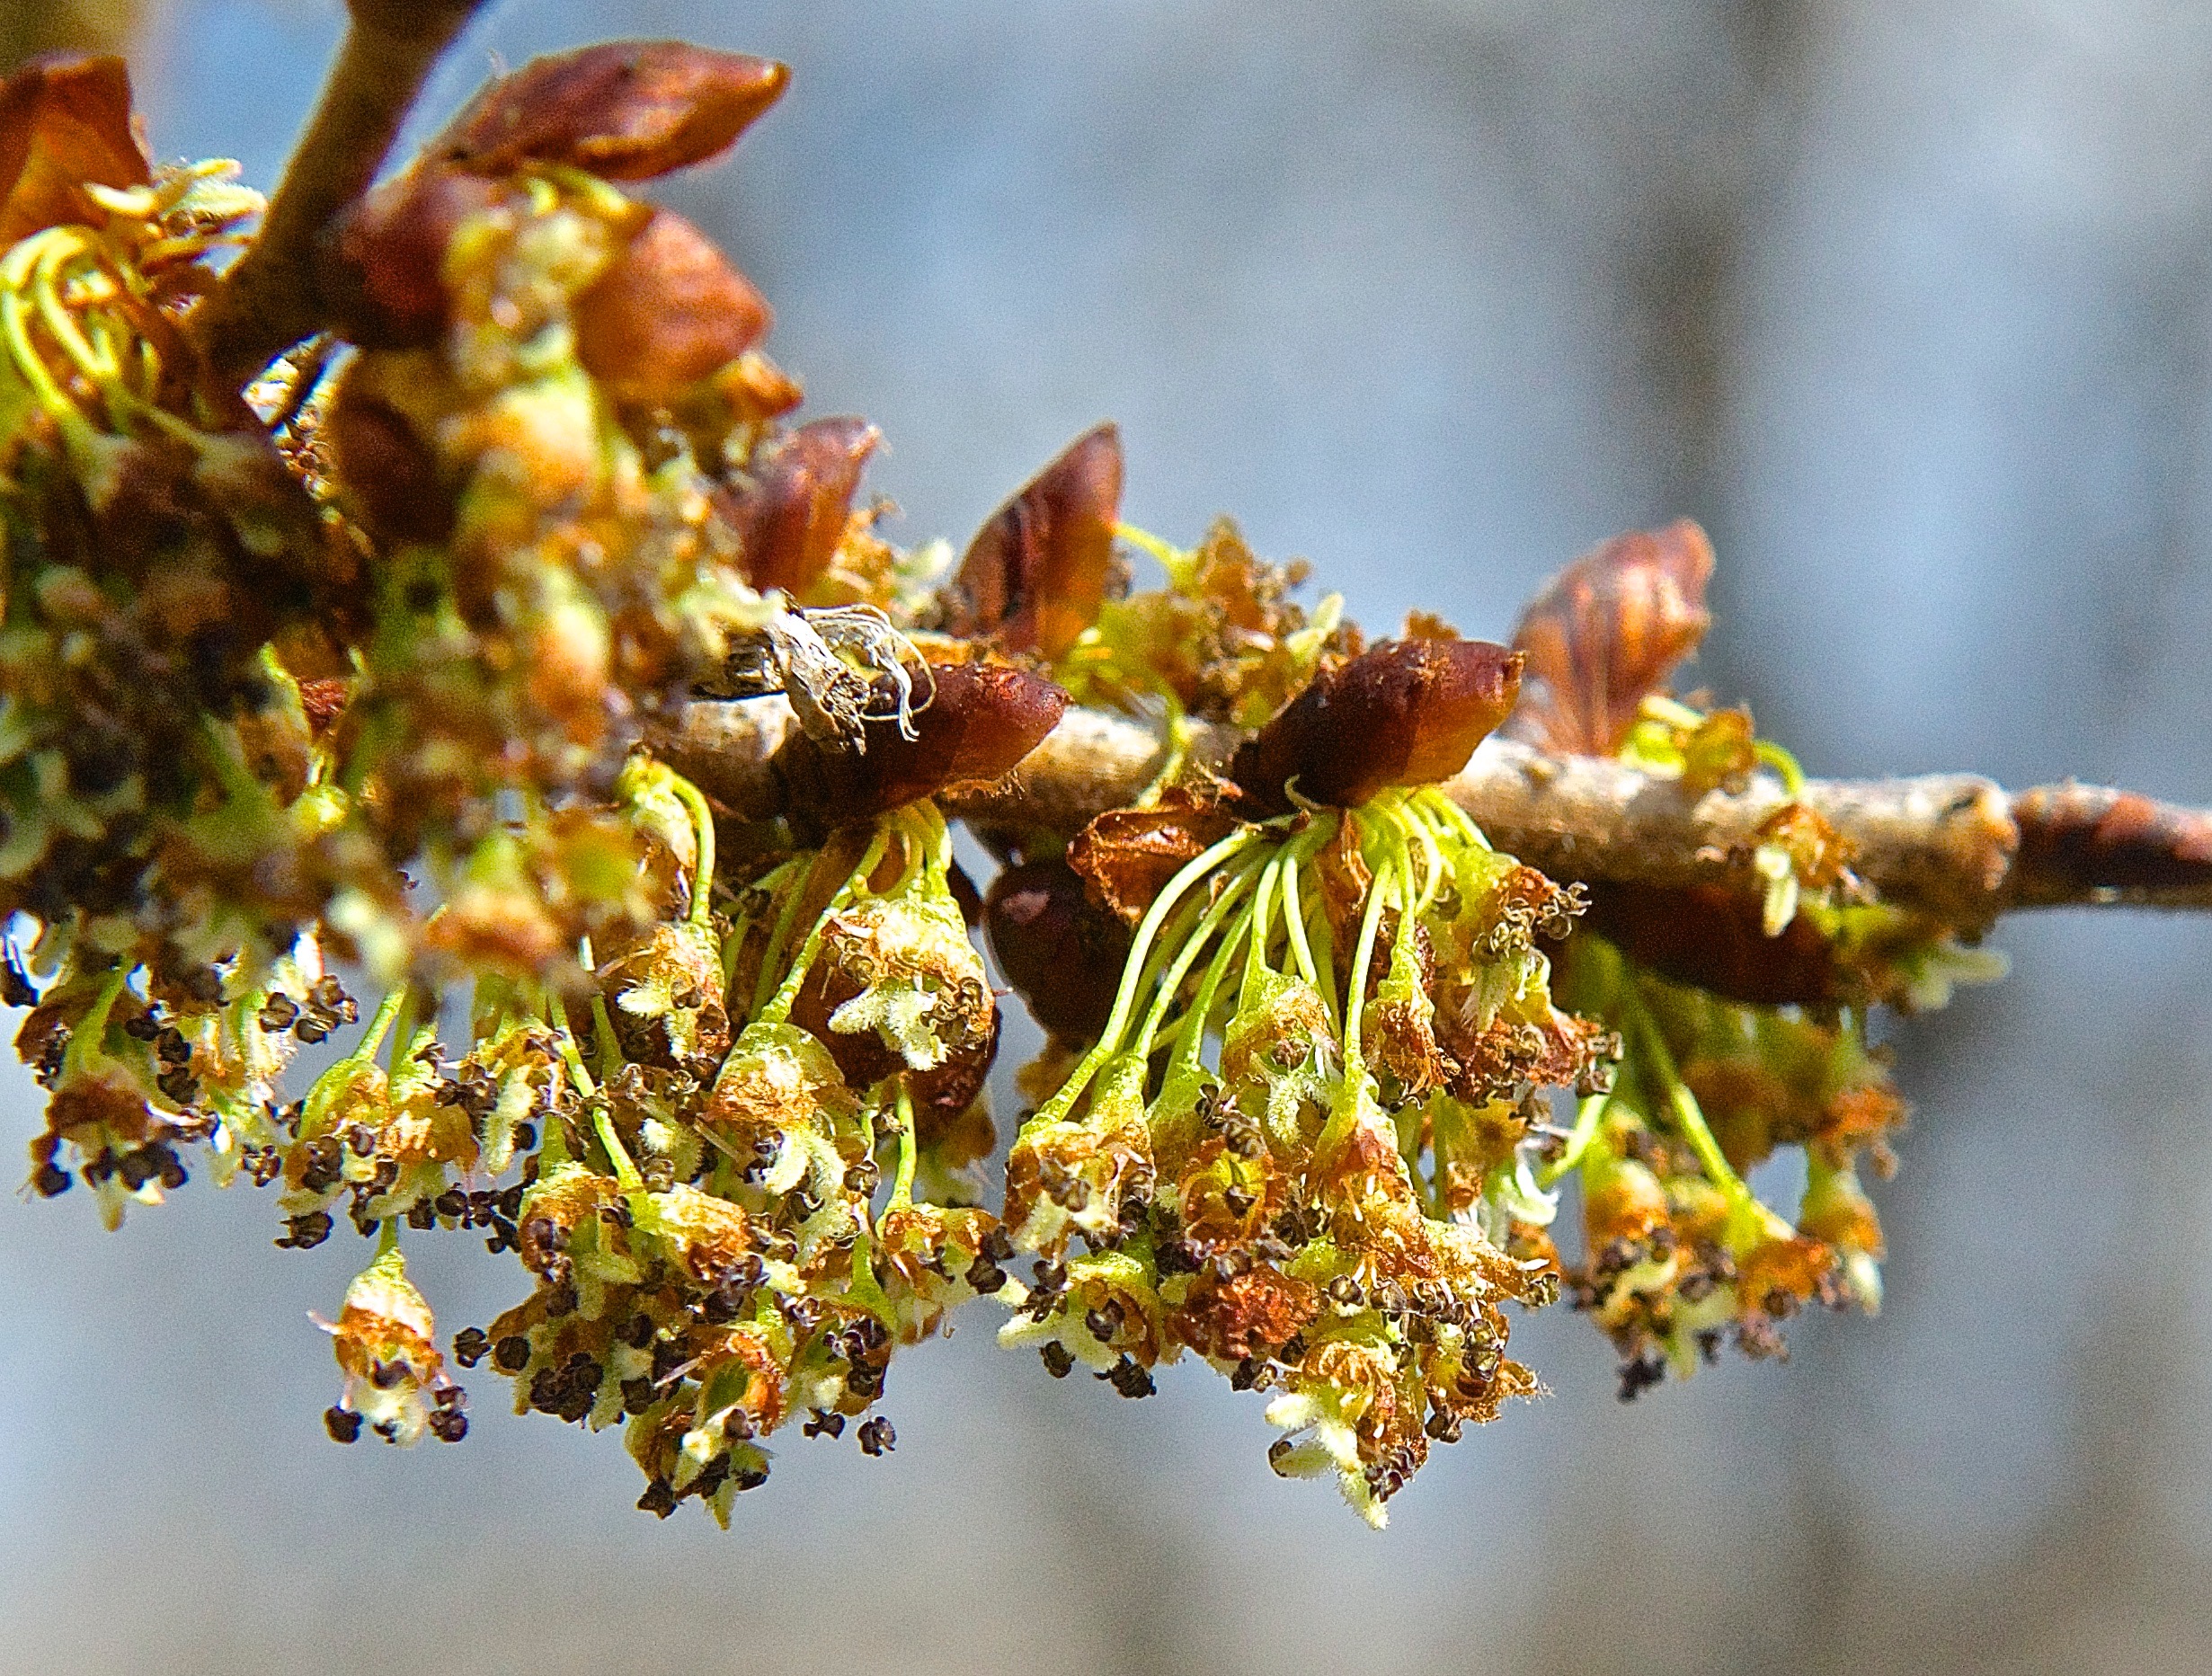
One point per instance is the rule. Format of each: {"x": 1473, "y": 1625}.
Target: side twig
{"x": 269, "y": 299}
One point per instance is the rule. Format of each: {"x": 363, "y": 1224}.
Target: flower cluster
{"x": 736, "y": 1227}
{"x": 1300, "y": 1146}
{"x": 1742, "y": 1007}
{"x": 354, "y": 669}
{"x": 357, "y": 677}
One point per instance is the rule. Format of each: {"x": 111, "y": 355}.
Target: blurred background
{"x": 1911, "y": 305}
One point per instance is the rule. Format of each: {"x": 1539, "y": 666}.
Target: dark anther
{"x": 470, "y": 1346}
{"x": 342, "y": 1425}
{"x": 304, "y": 1233}
{"x": 1130, "y": 1378}
{"x": 511, "y": 1355}
{"x": 877, "y": 1437}
{"x": 984, "y": 1275}
{"x": 1058, "y": 1360}
{"x": 1639, "y": 1375}
{"x": 826, "y": 1423}
{"x": 449, "y": 1425}
{"x": 658, "y": 1500}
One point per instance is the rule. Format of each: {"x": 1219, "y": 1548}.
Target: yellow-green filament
{"x": 1124, "y": 998}
{"x": 779, "y": 1009}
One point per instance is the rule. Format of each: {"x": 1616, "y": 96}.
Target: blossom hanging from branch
{"x": 429, "y": 591}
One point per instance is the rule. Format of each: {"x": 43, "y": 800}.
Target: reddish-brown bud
{"x": 1037, "y": 573}
{"x": 1406, "y": 712}
{"x": 981, "y": 720}
{"x": 1059, "y": 951}
{"x": 384, "y": 274}
{"x": 670, "y": 311}
{"x": 1607, "y": 631}
{"x": 2076, "y": 839}
{"x": 64, "y": 122}
{"x": 1713, "y": 937}
{"x": 623, "y": 110}
{"x": 390, "y": 476}
{"x": 791, "y": 512}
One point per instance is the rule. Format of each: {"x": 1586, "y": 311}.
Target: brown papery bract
{"x": 623, "y": 110}
{"x": 1060, "y": 951}
{"x": 981, "y": 720}
{"x": 1126, "y": 856}
{"x": 791, "y": 509}
{"x": 671, "y": 310}
{"x": 1711, "y": 937}
{"x": 391, "y": 477}
{"x": 1037, "y": 573}
{"x": 1406, "y": 712}
{"x": 64, "y": 122}
{"x": 1607, "y": 631}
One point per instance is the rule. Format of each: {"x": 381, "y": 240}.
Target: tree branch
{"x": 1955, "y": 845}
{"x": 269, "y": 299}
